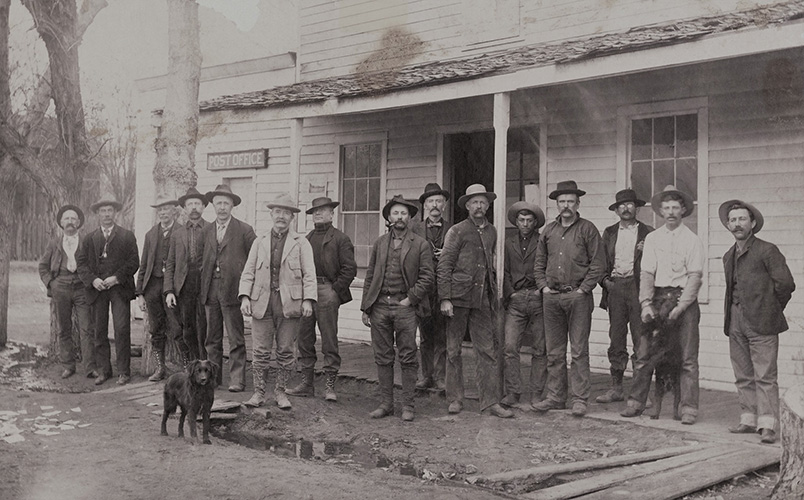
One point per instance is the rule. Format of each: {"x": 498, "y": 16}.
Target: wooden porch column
{"x": 502, "y": 119}
{"x": 296, "y": 129}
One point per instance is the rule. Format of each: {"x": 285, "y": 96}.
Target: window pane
{"x": 663, "y": 137}
{"x": 374, "y": 194}
{"x": 686, "y": 136}
{"x": 692, "y": 222}
{"x": 363, "y": 153}
{"x": 640, "y": 179}
{"x": 641, "y": 140}
{"x": 530, "y": 167}
{"x": 512, "y": 191}
{"x": 687, "y": 177}
{"x": 362, "y": 253}
{"x": 662, "y": 174}
{"x": 646, "y": 215}
{"x": 349, "y": 226}
{"x": 375, "y": 159}
{"x": 348, "y": 196}
{"x": 373, "y": 225}
{"x": 364, "y": 236}
{"x": 514, "y": 165}
{"x": 348, "y": 158}
{"x": 361, "y": 195}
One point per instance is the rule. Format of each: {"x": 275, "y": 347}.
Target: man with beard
{"x": 467, "y": 288}
{"x": 670, "y": 277}
{"x": 399, "y": 276}
{"x": 432, "y": 330}
{"x": 569, "y": 264}
{"x": 58, "y": 269}
{"x": 227, "y": 243}
{"x": 150, "y": 284}
{"x": 758, "y": 287}
{"x": 622, "y": 248}
{"x": 335, "y": 267}
{"x": 183, "y": 274}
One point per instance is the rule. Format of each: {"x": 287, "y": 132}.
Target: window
{"x": 361, "y": 174}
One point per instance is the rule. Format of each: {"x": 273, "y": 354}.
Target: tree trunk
{"x": 791, "y": 474}
{"x": 6, "y": 169}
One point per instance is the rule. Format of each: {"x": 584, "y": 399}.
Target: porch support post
{"x": 502, "y": 120}
{"x": 296, "y": 128}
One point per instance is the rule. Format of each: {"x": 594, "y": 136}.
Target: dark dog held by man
{"x": 665, "y": 355}
{"x": 194, "y": 391}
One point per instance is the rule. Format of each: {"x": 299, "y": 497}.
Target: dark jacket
{"x": 178, "y": 257}
{"x": 149, "y": 256}
{"x": 420, "y": 227}
{"x": 464, "y": 268}
{"x": 50, "y": 263}
{"x": 234, "y": 251}
{"x": 417, "y": 272}
{"x": 338, "y": 262}
{"x": 610, "y": 243}
{"x": 515, "y": 266}
{"x": 767, "y": 292}
{"x": 122, "y": 257}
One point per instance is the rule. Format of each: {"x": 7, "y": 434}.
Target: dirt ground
{"x": 316, "y": 450}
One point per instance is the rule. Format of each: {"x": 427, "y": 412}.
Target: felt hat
{"x": 566, "y": 187}
{"x": 723, "y": 212}
{"x": 476, "y": 190}
{"x": 656, "y": 200}
{"x": 193, "y": 193}
{"x": 75, "y": 209}
{"x": 322, "y": 201}
{"x": 284, "y": 201}
{"x": 399, "y": 200}
{"x": 433, "y": 189}
{"x": 519, "y": 206}
{"x": 162, "y": 200}
{"x": 223, "y": 190}
{"x": 624, "y": 196}
{"x": 106, "y": 201}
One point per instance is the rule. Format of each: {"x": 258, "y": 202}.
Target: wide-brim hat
{"x": 476, "y": 190}
{"x": 566, "y": 187}
{"x": 106, "y": 201}
{"x": 193, "y": 193}
{"x": 223, "y": 190}
{"x": 163, "y": 200}
{"x": 433, "y": 189}
{"x": 656, "y": 200}
{"x": 284, "y": 201}
{"x": 624, "y": 196}
{"x": 723, "y": 212}
{"x": 322, "y": 201}
{"x": 519, "y": 206}
{"x": 75, "y": 209}
{"x": 399, "y": 200}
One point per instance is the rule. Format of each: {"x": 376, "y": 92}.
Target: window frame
{"x": 700, "y": 107}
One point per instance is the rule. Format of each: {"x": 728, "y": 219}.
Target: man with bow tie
{"x": 107, "y": 262}
{"x": 58, "y": 269}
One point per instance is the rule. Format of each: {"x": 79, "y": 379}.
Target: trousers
{"x": 325, "y": 314}
{"x": 525, "y": 314}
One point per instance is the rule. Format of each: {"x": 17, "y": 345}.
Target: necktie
{"x": 192, "y": 242}
{"x": 106, "y": 234}
{"x": 221, "y": 231}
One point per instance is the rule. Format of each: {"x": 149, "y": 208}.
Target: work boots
{"x": 616, "y": 391}
{"x": 258, "y": 398}
{"x": 329, "y": 391}
{"x": 282, "y": 401}
{"x": 161, "y": 371}
{"x": 385, "y": 374}
{"x": 305, "y": 387}
{"x": 408, "y": 391}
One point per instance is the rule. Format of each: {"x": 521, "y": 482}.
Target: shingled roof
{"x": 545, "y": 54}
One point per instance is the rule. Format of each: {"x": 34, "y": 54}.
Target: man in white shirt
{"x": 672, "y": 269}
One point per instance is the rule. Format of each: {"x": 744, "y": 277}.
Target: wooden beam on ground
{"x": 597, "y": 463}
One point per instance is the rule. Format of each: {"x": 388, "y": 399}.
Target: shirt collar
{"x": 225, "y": 224}
{"x": 163, "y": 229}
{"x": 72, "y": 238}
{"x": 191, "y": 223}
{"x": 633, "y": 227}
{"x": 439, "y": 223}
{"x": 674, "y": 232}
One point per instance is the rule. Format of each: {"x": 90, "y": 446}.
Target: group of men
{"x": 428, "y": 274}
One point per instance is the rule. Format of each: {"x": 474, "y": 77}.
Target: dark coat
{"x": 768, "y": 291}
{"x": 417, "y": 272}
{"x": 464, "y": 267}
{"x": 178, "y": 257}
{"x": 516, "y": 266}
{"x": 420, "y": 227}
{"x": 610, "y": 243}
{"x": 338, "y": 262}
{"x": 235, "y": 246}
{"x": 149, "y": 256}
{"x": 122, "y": 256}
{"x": 50, "y": 263}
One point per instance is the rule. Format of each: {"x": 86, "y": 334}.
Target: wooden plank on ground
{"x": 616, "y": 476}
{"x": 125, "y": 388}
{"x": 680, "y": 481}
{"x": 597, "y": 463}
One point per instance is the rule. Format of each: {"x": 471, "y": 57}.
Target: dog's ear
{"x": 191, "y": 367}
{"x": 215, "y": 369}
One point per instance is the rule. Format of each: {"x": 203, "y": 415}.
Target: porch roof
{"x": 509, "y": 61}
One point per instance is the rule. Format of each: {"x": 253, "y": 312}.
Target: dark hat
{"x": 656, "y": 200}
{"x": 399, "y": 200}
{"x": 566, "y": 187}
{"x": 723, "y": 212}
{"x": 476, "y": 190}
{"x": 193, "y": 193}
{"x": 323, "y": 201}
{"x": 624, "y": 196}
{"x": 432, "y": 189}
{"x": 223, "y": 190}
{"x": 162, "y": 200}
{"x": 519, "y": 206}
{"x": 75, "y": 209}
{"x": 106, "y": 201}
{"x": 284, "y": 201}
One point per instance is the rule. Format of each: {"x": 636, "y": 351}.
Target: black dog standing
{"x": 193, "y": 391}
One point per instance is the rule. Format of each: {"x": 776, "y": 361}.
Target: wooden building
{"x": 518, "y": 95}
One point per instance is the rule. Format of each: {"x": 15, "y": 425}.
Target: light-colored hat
{"x": 476, "y": 190}
{"x": 106, "y": 201}
{"x": 519, "y": 206}
{"x": 725, "y": 208}
{"x": 223, "y": 190}
{"x": 284, "y": 201}
{"x": 656, "y": 200}
{"x": 162, "y": 200}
